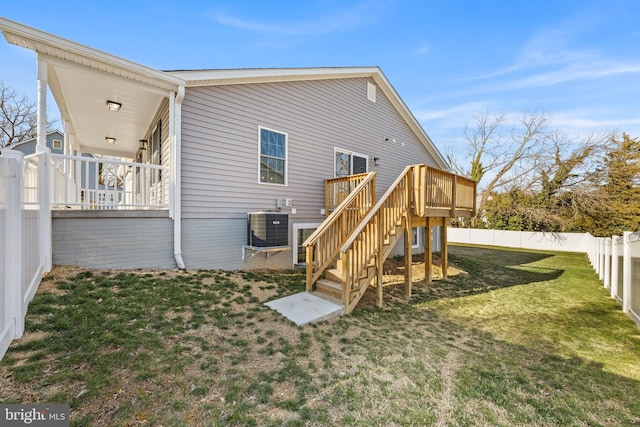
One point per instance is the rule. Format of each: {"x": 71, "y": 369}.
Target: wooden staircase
{"x": 350, "y": 247}
{"x": 332, "y": 284}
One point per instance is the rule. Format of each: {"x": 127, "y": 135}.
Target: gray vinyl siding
{"x": 220, "y": 155}
{"x": 217, "y": 244}
{"x": 220, "y": 143}
{"x": 29, "y": 147}
{"x": 113, "y": 240}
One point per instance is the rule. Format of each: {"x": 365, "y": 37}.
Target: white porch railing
{"x": 23, "y": 252}
{"x": 79, "y": 182}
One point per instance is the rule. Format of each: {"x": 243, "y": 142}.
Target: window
{"x": 301, "y": 232}
{"x": 273, "y": 157}
{"x": 155, "y": 151}
{"x": 415, "y": 240}
{"x": 350, "y": 163}
{"x": 57, "y": 144}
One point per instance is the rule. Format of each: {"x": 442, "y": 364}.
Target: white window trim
{"x": 53, "y": 144}
{"x": 149, "y": 154}
{"x": 351, "y": 153}
{"x": 286, "y": 156}
{"x": 296, "y": 226}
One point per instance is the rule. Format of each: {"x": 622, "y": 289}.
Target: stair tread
{"x": 329, "y": 284}
{"x": 333, "y": 275}
{"x": 328, "y": 297}
{"x": 329, "y": 288}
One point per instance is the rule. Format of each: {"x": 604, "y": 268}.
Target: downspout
{"x": 177, "y": 173}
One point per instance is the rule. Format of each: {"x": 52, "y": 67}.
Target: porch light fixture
{"x": 113, "y": 105}
{"x": 143, "y": 144}
{"x": 110, "y": 140}
{"x": 376, "y": 161}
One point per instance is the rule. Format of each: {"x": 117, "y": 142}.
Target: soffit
{"x": 82, "y": 79}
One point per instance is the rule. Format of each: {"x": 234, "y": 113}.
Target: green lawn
{"x": 519, "y": 338}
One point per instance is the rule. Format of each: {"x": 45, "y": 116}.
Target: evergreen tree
{"x": 622, "y": 185}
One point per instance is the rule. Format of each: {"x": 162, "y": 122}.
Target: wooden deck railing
{"x": 364, "y": 249}
{"x": 440, "y": 193}
{"x": 337, "y": 189}
{"x": 324, "y": 243}
{"x": 465, "y": 194}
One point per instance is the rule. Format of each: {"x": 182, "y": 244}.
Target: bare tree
{"x": 531, "y": 178}
{"x": 18, "y": 117}
{"x": 502, "y": 162}
{"x": 569, "y": 163}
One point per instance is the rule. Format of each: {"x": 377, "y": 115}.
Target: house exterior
{"x": 55, "y": 143}
{"x": 202, "y": 149}
{"x": 58, "y": 145}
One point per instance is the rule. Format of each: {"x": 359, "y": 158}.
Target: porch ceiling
{"x": 82, "y": 79}
{"x": 82, "y": 93}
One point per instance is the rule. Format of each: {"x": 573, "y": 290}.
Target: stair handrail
{"x": 366, "y": 241}
{"x": 323, "y": 245}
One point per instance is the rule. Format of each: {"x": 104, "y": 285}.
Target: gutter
{"x": 177, "y": 173}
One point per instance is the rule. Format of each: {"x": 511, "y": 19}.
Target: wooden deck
{"x": 351, "y": 245}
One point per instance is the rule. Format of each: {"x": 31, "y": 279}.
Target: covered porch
{"x": 121, "y": 125}
{"x": 117, "y": 169}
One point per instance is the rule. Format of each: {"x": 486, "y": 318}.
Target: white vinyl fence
{"x": 25, "y": 251}
{"x": 564, "y": 242}
{"x": 616, "y": 259}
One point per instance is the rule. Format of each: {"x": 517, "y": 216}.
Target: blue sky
{"x": 450, "y": 60}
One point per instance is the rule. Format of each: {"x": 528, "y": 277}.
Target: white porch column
{"x": 43, "y": 173}
{"x": 41, "y": 128}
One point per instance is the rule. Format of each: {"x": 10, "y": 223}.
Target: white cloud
{"x": 328, "y": 22}
{"x": 594, "y": 121}
{"x": 546, "y": 61}
{"x": 573, "y": 72}
{"x": 421, "y": 51}
{"x": 468, "y": 109}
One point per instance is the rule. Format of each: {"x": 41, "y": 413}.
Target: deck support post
{"x": 408, "y": 254}
{"x": 346, "y": 281}
{"x": 380, "y": 263}
{"x": 309, "y": 255}
{"x": 428, "y": 250}
{"x": 444, "y": 252}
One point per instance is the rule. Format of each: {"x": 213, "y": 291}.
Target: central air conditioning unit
{"x": 267, "y": 229}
